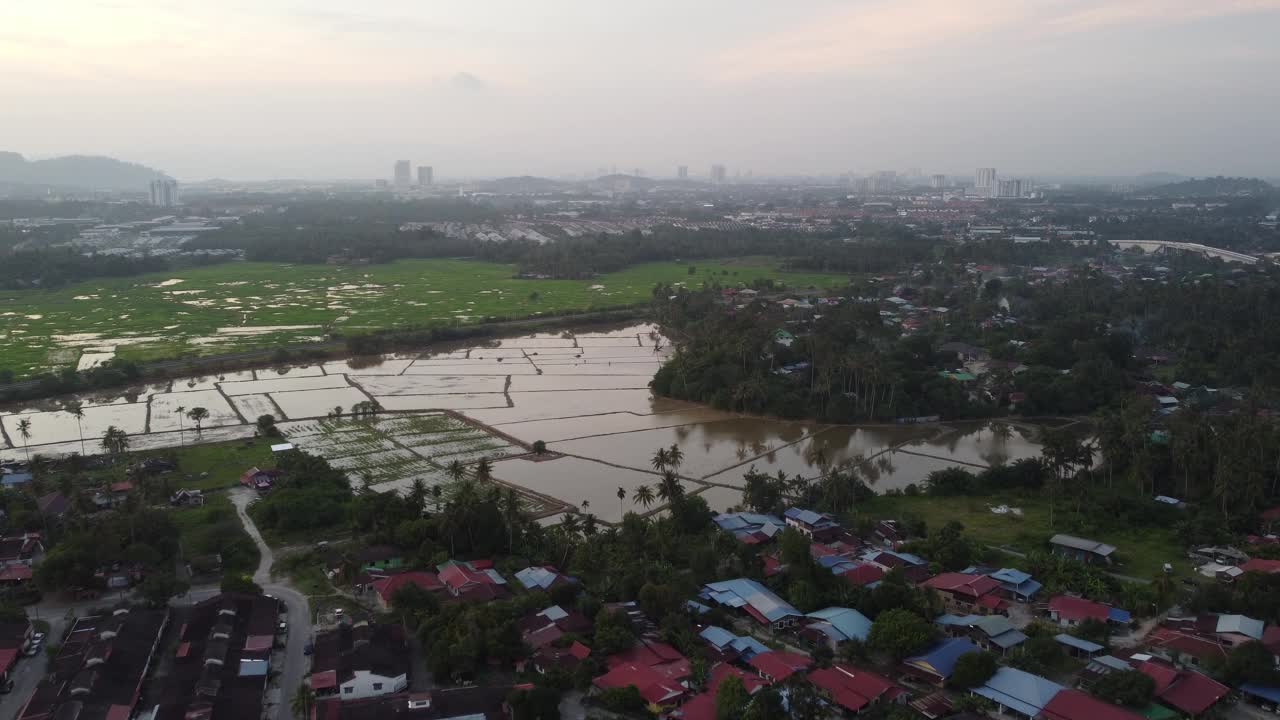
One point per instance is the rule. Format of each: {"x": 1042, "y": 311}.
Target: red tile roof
{"x": 701, "y": 707}
{"x": 1261, "y": 565}
{"x": 1074, "y": 608}
{"x": 721, "y": 671}
{"x": 1077, "y": 705}
{"x": 849, "y": 687}
{"x": 579, "y": 650}
{"x": 779, "y": 665}
{"x": 864, "y": 574}
{"x": 1187, "y": 644}
{"x": 1190, "y": 692}
{"x": 973, "y": 586}
{"x": 7, "y": 658}
{"x": 324, "y": 680}
{"x": 652, "y": 686}
{"x": 387, "y": 586}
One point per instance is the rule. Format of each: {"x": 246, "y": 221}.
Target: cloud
{"x": 467, "y": 81}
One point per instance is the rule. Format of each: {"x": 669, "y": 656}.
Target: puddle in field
{"x": 585, "y": 395}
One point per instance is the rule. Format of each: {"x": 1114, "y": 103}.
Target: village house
{"x": 968, "y": 593}
{"x": 755, "y": 600}
{"x": 1089, "y": 551}
{"x": 475, "y": 580}
{"x": 936, "y": 664}
{"x": 852, "y": 689}
{"x": 994, "y": 633}
{"x": 360, "y": 661}
{"x": 815, "y": 526}
{"x": 20, "y": 549}
{"x": 222, "y": 661}
{"x": 385, "y": 587}
{"x": 1018, "y": 693}
{"x": 1069, "y": 611}
{"x": 260, "y": 480}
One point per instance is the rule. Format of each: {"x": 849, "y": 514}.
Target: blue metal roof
{"x": 1262, "y": 691}
{"x": 717, "y": 636}
{"x": 942, "y": 656}
{"x": 808, "y": 517}
{"x": 1020, "y": 691}
{"x": 697, "y": 607}
{"x": 1078, "y": 643}
{"x": 1011, "y": 575}
{"x": 748, "y": 646}
{"x": 848, "y": 622}
{"x": 740, "y": 592}
{"x": 1118, "y": 615}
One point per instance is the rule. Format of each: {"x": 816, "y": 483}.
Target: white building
{"x": 164, "y": 192}
{"x": 426, "y": 175}
{"x": 402, "y": 173}
{"x": 985, "y": 182}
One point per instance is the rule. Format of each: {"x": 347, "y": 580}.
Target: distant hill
{"x": 522, "y": 184}
{"x": 79, "y": 171}
{"x": 1213, "y": 187}
{"x": 1153, "y": 179}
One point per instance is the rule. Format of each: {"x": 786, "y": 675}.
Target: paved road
{"x": 295, "y": 664}
{"x": 30, "y": 670}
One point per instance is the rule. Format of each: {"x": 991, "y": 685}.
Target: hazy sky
{"x": 338, "y": 88}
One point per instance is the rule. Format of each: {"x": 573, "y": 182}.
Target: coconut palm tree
{"x": 77, "y": 412}
{"x": 435, "y": 495}
{"x": 661, "y": 459}
{"x": 115, "y": 441}
{"x": 669, "y": 488}
{"x": 643, "y": 495}
{"x": 24, "y": 429}
{"x": 456, "y": 470}
{"x": 484, "y": 470}
{"x": 182, "y": 413}
{"x": 198, "y": 415}
{"x": 622, "y": 495}
{"x": 675, "y": 456}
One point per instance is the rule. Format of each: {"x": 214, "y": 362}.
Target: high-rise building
{"x": 402, "y": 173}
{"x": 164, "y": 192}
{"x": 1012, "y": 188}
{"x": 985, "y": 182}
{"x": 682, "y": 172}
{"x": 884, "y": 181}
{"x": 717, "y": 174}
{"x": 426, "y": 175}
{"x": 937, "y": 182}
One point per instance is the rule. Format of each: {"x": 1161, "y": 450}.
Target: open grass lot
{"x": 1143, "y": 551}
{"x": 214, "y": 528}
{"x": 238, "y": 306}
{"x": 223, "y": 462}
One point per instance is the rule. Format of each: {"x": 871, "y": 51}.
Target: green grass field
{"x": 1142, "y": 551}
{"x": 224, "y": 462}
{"x": 237, "y": 306}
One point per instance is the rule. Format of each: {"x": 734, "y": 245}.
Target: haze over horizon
{"x": 329, "y": 88}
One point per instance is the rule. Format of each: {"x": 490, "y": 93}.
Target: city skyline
{"x": 1079, "y": 87}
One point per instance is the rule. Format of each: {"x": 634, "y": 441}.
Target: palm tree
{"x": 24, "y": 429}
{"x": 661, "y": 459}
{"x": 511, "y": 514}
{"x": 115, "y": 441}
{"x": 182, "y": 412}
{"x": 456, "y": 470}
{"x": 669, "y": 489}
{"x": 643, "y": 495}
{"x": 570, "y": 524}
{"x": 622, "y": 495}
{"x": 77, "y": 412}
{"x": 484, "y": 470}
{"x": 302, "y": 701}
{"x": 198, "y": 415}
{"x": 435, "y": 495}
{"x": 675, "y": 456}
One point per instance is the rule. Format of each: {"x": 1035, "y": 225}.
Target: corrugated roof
{"x": 941, "y": 658}
{"x": 743, "y": 592}
{"x": 1078, "y": 643}
{"x": 1019, "y": 690}
{"x": 1242, "y": 625}
{"x": 1085, "y": 544}
{"x": 849, "y": 622}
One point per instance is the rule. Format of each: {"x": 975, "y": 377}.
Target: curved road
{"x": 296, "y": 604}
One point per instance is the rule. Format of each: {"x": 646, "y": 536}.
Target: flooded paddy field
{"x": 585, "y": 396}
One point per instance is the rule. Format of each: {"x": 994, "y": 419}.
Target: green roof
{"x": 1158, "y": 712}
